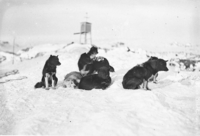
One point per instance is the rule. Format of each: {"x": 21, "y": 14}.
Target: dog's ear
{"x": 111, "y": 69}
{"x": 50, "y": 55}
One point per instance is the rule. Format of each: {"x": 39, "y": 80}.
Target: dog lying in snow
{"x": 49, "y": 78}
{"x": 72, "y": 80}
{"x": 96, "y": 81}
{"x": 102, "y": 62}
{"x": 140, "y": 74}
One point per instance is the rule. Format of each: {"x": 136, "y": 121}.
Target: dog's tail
{"x": 39, "y": 85}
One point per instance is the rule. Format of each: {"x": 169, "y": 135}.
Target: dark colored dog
{"x": 98, "y": 63}
{"x": 49, "y": 73}
{"x": 141, "y": 73}
{"x": 96, "y": 81}
{"x": 102, "y": 62}
{"x": 85, "y": 59}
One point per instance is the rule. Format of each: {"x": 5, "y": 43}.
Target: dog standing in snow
{"x": 49, "y": 78}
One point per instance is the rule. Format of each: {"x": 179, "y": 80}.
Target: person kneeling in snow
{"x": 86, "y": 59}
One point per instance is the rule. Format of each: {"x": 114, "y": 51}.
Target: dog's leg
{"x": 47, "y": 76}
{"x": 147, "y": 88}
{"x": 54, "y": 81}
{"x": 145, "y": 84}
{"x": 154, "y": 78}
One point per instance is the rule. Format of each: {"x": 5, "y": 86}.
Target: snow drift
{"x": 170, "y": 109}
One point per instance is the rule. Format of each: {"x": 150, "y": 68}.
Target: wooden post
{"x": 80, "y": 38}
{"x": 91, "y": 37}
{"x": 13, "y": 50}
{"x": 86, "y": 17}
{"x": 85, "y": 37}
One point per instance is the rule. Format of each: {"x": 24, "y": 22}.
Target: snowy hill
{"x": 172, "y": 108}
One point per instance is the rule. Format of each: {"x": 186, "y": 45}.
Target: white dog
{"x": 72, "y": 80}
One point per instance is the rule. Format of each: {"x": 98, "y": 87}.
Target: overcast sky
{"x": 141, "y": 22}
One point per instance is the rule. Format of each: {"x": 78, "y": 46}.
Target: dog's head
{"x": 93, "y": 52}
{"x": 70, "y": 84}
{"x": 153, "y": 58}
{"x": 103, "y": 73}
{"x": 159, "y": 64}
{"x": 54, "y": 60}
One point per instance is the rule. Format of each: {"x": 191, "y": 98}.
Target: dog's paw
{"x": 147, "y": 89}
{"x": 47, "y": 88}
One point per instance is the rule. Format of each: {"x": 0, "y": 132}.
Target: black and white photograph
{"x": 100, "y": 67}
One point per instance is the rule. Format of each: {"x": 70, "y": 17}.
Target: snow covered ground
{"x": 172, "y": 108}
